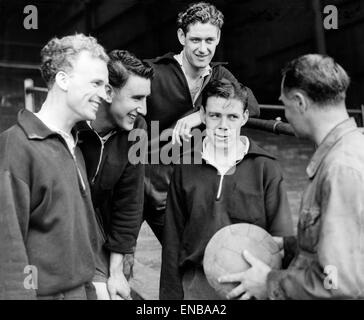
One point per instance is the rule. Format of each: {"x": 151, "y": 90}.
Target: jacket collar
{"x": 83, "y": 126}
{"x": 34, "y": 128}
{"x": 170, "y": 58}
{"x": 328, "y": 143}
{"x": 253, "y": 151}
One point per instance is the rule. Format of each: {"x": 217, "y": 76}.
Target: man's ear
{"x": 203, "y": 115}
{"x": 218, "y": 36}
{"x": 62, "y": 80}
{"x": 181, "y": 36}
{"x": 245, "y": 117}
{"x": 302, "y": 101}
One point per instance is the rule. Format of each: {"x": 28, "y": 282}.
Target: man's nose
{"x": 142, "y": 108}
{"x": 202, "y": 47}
{"x": 105, "y": 93}
{"x": 223, "y": 124}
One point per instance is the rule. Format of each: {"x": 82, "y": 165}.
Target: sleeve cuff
{"x": 119, "y": 249}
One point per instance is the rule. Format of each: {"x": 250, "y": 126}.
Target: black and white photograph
{"x": 196, "y": 151}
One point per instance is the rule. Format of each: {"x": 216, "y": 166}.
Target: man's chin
{"x": 202, "y": 64}
{"x": 126, "y": 126}
{"x": 90, "y": 117}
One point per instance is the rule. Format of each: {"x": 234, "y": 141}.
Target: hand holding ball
{"x": 224, "y": 253}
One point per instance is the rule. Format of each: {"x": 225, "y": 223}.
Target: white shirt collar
{"x": 236, "y": 154}
{"x": 68, "y": 137}
{"x": 179, "y": 58}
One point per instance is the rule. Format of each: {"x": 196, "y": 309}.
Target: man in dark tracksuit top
{"x": 48, "y": 227}
{"x": 117, "y": 181}
{"x": 176, "y": 98}
{"x": 231, "y": 180}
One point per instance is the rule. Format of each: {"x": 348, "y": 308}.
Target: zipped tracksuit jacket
{"x": 117, "y": 185}
{"x": 47, "y": 222}
{"x": 197, "y": 208}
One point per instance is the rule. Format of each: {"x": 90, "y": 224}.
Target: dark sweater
{"x": 255, "y": 193}
{"x": 117, "y": 188}
{"x": 171, "y": 99}
{"x": 47, "y": 219}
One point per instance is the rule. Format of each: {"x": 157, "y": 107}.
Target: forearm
{"x": 127, "y": 210}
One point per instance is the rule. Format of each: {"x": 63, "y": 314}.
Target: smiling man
{"x": 47, "y": 219}
{"x": 116, "y": 181}
{"x": 176, "y": 96}
{"x": 235, "y": 182}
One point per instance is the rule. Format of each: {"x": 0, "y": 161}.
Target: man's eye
{"x": 195, "y": 40}
{"x": 233, "y": 117}
{"x": 214, "y": 116}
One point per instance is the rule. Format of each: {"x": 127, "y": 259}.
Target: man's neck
{"x": 55, "y": 112}
{"x": 190, "y": 70}
{"x": 102, "y": 124}
{"x": 225, "y": 156}
{"x": 325, "y": 120}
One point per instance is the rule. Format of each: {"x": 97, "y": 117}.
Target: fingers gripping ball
{"x": 224, "y": 253}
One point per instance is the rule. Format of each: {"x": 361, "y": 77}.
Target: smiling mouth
{"x": 221, "y": 138}
{"x": 132, "y": 116}
{"x": 95, "y": 104}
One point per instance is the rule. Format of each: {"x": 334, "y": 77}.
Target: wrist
{"x": 116, "y": 264}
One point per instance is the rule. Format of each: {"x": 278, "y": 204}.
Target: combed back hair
{"x": 122, "y": 64}
{"x": 202, "y": 12}
{"x": 227, "y": 89}
{"x": 60, "y": 53}
{"x": 320, "y": 77}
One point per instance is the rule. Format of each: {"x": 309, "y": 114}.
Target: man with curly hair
{"x": 117, "y": 181}
{"x": 176, "y": 97}
{"x": 48, "y": 224}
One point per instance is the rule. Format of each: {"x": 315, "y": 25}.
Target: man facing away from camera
{"x": 329, "y": 260}
{"x": 48, "y": 227}
{"x": 178, "y": 82}
{"x": 115, "y": 175}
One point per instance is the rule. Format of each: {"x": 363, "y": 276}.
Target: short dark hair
{"x": 319, "y": 76}
{"x": 200, "y": 12}
{"x": 122, "y": 64}
{"x": 227, "y": 89}
{"x": 59, "y": 54}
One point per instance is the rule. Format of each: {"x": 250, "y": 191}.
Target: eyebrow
{"x": 199, "y": 38}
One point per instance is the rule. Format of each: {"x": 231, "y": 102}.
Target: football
{"x": 224, "y": 253}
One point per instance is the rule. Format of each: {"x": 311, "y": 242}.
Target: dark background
{"x": 258, "y": 38}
